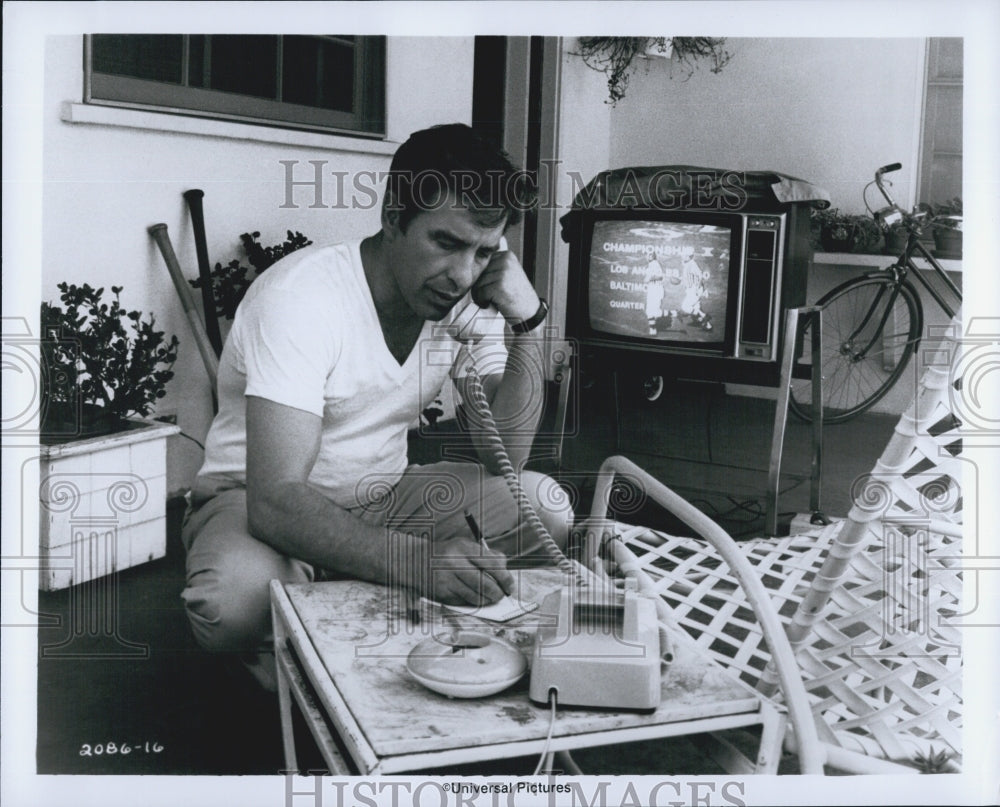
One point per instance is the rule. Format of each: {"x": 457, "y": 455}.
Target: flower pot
{"x": 895, "y": 242}
{"x": 102, "y": 503}
{"x": 63, "y": 422}
{"x": 948, "y": 239}
{"x": 838, "y": 237}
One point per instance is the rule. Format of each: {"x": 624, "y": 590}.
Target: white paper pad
{"x": 503, "y": 610}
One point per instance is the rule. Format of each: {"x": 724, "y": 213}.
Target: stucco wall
{"x": 830, "y": 110}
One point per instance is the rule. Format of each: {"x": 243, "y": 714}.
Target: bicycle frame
{"x": 905, "y": 262}
{"x": 859, "y": 355}
{"x": 900, "y": 270}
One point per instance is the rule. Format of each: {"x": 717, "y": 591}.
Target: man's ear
{"x": 390, "y": 215}
{"x": 390, "y": 221}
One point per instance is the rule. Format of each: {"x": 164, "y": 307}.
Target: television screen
{"x": 660, "y": 280}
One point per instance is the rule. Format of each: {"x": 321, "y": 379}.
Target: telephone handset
{"x": 472, "y": 324}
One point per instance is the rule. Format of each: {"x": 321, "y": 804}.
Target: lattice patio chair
{"x": 868, "y": 603}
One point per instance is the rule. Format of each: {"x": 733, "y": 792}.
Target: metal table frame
{"x": 794, "y": 319}
{"x": 304, "y": 680}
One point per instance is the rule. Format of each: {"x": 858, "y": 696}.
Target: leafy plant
{"x": 849, "y": 231}
{"x": 896, "y": 236}
{"x": 867, "y": 234}
{"x": 432, "y": 413}
{"x": 947, "y": 214}
{"x": 830, "y": 222}
{"x": 230, "y": 282}
{"x": 689, "y": 50}
{"x": 933, "y": 761}
{"x": 615, "y": 56}
{"x": 102, "y": 355}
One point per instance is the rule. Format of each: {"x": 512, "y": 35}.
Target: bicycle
{"x": 872, "y": 324}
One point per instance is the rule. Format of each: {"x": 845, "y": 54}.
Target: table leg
{"x": 284, "y": 697}
{"x": 568, "y": 764}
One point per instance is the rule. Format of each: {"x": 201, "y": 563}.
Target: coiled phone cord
{"x": 496, "y": 447}
{"x": 477, "y": 398}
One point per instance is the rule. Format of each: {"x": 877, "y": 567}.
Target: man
{"x": 694, "y": 290}
{"x": 333, "y": 353}
{"x": 653, "y": 278}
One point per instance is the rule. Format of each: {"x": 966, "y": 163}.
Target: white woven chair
{"x": 865, "y": 602}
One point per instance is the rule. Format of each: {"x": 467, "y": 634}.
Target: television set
{"x": 687, "y": 291}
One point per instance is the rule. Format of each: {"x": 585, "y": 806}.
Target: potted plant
{"x": 102, "y": 466}
{"x": 946, "y": 227}
{"x": 616, "y": 56}
{"x": 835, "y": 231}
{"x": 867, "y": 235}
{"x": 896, "y": 237}
{"x": 832, "y": 231}
{"x": 103, "y": 364}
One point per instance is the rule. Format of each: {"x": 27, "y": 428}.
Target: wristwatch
{"x": 532, "y": 322}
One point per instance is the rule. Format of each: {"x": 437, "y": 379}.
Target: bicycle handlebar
{"x": 894, "y": 214}
{"x": 886, "y": 169}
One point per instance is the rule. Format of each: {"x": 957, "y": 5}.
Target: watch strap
{"x": 536, "y": 319}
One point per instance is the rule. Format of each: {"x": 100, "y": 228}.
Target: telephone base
{"x": 597, "y": 649}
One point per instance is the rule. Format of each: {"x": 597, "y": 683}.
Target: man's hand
{"x": 504, "y": 284}
{"x": 463, "y": 572}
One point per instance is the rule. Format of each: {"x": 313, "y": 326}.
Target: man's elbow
{"x": 262, "y": 515}
{"x": 257, "y": 519}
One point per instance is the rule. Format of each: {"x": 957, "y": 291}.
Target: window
{"x": 941, "y": 151}
{"x": 315, "y": 82}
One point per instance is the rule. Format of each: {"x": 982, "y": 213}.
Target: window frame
{"x": 935, "y": 86}
{"x": 366, "y": 120}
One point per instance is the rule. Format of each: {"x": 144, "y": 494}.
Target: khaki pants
{"x": 228, "y": 571}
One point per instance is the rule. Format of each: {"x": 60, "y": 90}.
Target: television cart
{"x": 781, "y": 375}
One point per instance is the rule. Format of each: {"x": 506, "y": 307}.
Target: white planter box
{"x": 102, "y": 504}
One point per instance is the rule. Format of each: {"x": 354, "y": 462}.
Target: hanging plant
{"x": 689, "y": 50}
{"x": 615, "y": 56}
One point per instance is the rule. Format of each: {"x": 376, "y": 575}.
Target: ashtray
{"x": 466, "y": 664}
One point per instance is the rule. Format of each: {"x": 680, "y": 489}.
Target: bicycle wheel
{"x": 652, "y": 387}
{"x": 859, "y": 364}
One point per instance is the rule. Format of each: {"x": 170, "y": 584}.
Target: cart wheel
{"x": 652, "y": 387}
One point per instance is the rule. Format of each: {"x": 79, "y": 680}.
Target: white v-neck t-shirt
{"x": 307, "y": 336}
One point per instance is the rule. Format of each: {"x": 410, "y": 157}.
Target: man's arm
{"x": 516, "y": 399}
{"x": 517, "y": 396}
{"x": 285, "y": 512}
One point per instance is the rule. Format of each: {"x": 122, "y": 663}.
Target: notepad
{"x": 502, "y": 610}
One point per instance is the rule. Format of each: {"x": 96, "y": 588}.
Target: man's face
{"x": 439, "y": 257}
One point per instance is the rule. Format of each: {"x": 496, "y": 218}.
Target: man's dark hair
{"x": 453, "y": 162}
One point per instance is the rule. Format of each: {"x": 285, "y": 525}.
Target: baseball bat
{"x": 162, "y": 239}
{"x": 194, "y": 201}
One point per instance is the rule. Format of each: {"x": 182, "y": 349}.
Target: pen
{"x": 478, "y": 535}
{"x": 476, "y": 532}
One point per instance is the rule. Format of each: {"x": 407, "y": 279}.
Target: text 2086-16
{"x": 122, "y": 749}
